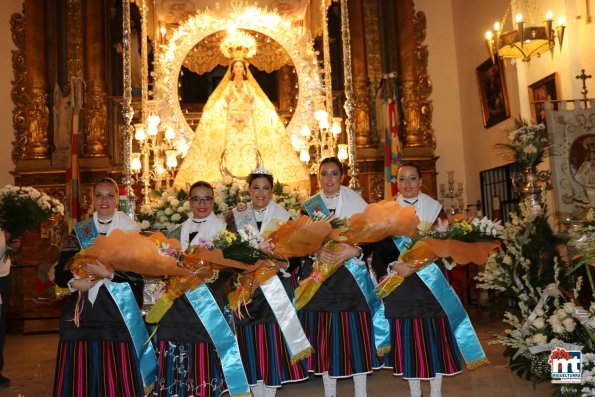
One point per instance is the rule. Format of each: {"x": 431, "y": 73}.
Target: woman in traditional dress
{"x": 192, "y": 338}
{"x": 239, "y": 130}
{"x": 269, "y": 332}
{"x": 101, "y": 353}
{"x": 423, "y": 346}
{"x": 338, "y": 319}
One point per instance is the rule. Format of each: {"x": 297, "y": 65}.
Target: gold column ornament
{"x": 36, "y": 85}
{"x": 19, "y": 112}
{"x": 327, "y": 71}
{"x": 361, "y": 95}
{"x": 407, "y": 74}
{"x": 74, "y": 29}
{"x": 127, "y": 111}
{"x": 348, "y": 82}
{"x": 95, "y": 97}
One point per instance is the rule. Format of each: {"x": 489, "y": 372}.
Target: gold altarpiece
{"x": 77, "y": 46}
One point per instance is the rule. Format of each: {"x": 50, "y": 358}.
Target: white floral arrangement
{"x": 228, "y": 193}
{"x": 250, "y": 235}
{"x": 166, "y": 209}
{"x": 529, "y": 143}
{"x": 24, "y": 208}
{"x": 290, "y": 199}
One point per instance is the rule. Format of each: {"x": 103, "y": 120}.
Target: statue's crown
{"x": 238, "y": 45}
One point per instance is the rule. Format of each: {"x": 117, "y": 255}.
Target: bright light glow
{"x": 304, "y": 156}
{"x": 549, "y": 15}
{"x": 153, "y": 120}
{"x": 489, "y": 35}
{"x": 171, "y": 159}
{"x": 336, "y": 127}
{"x": 152, "y": 130}
{"x": 296, "y": 142}
{"x": 140, "y": 135}
{"x": 320, "y": 114}
{"x": 519, "y": 17}
{"x": 135, "y": 163}
{"x": 342, "y": 153}
{"x": 305, "y": 131}
{"x": 561, "y": 20}
{"x": 497, "y": 26}
{"x": 323, "y": 124}
{"x": 169, "y": 133}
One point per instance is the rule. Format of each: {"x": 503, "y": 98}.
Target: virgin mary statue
{"x": 239, "y": 131}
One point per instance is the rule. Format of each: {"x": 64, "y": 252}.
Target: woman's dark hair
{"x": 245, "y": 68}
{"x": 201, "y": 184}
{"x": 409, "y": 164}
{"x": 108, "y": 181}
{"x": 252, "y": 177}
{"x": 332, "y": 160}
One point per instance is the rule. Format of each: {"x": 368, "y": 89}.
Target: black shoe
{"x": 4, "y": 382}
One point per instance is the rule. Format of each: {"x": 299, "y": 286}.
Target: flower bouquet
{"x": 375, "y": 223}
{"x": 529, "y": 143}
{"x": 462, "y": 241}
{"x": 227, "y": 250}
{"x": 24, "y": 208}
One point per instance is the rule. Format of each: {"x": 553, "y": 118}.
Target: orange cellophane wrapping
{"x": 249, "y": 281}
{"x": 130, "y": 251}
{"x": 301, "y": 237}
{"x": 377, "y": 222}
{"x": 320, "y": 272}
{"x": 428, "y": 250}
{"x": 462, "y": 252}
{"x": 214, "y": 257}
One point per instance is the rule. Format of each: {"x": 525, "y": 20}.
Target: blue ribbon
{"x": 124, "y": 298}
{"x": 379, "y": 321}
{"x": 223, "y": 338}
{"x": 460, "y": 323}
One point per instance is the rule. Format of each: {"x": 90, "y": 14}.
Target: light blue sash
{"x": 124, "y": 298}
{"x": 225, "y": 342}
{"x": 463, "y": 331}
{"x": 86, "y": 232}
{"x": 379, "y": 321}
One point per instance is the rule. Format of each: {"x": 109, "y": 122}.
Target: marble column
{"x": 94, "y": 69}
{"x": 37, "y": 111}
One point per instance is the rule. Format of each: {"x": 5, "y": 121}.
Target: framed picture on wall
{"x": 492, "y": 92}
{"x": 546, "y": 89}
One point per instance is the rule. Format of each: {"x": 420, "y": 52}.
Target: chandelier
{"x": 157, "y": 144}
{"x": 315, "y": 144}
{"x": 526, "y": 39}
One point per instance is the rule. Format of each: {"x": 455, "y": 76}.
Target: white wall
{"x": 7, "y": 8}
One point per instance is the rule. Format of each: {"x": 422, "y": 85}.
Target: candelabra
{"x": 452, "y": 197}
{"x": 156, "y": 147}
{"x": 314, "y": 146}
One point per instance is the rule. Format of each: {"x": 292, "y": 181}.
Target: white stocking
{"x": 414, "y": 387}
{"x": 436, "y": 386}
{"x": 258, "y": 390}
{"x": 330, "y": 385}
{"x": 359, "y": 382}
{"x": 270, "y": 391}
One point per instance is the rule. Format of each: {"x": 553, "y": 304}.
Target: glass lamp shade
{"x": 304, "y": 156}
{"x": 342, "y": 153}
{"x": 171, "y": 159}
{"x": 135, "y": 163}
{"x": 169, "y": 133}
{"x": 139, "y": 133}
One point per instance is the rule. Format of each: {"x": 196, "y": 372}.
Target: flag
{"x": 73, "y": 171}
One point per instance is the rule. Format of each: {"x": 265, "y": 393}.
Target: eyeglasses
{"x": 201, "y": 200}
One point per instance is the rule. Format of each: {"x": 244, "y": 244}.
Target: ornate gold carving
{"x": 361, "y": 113}
{"x": 287, "y": 87}
{"x": 372, "y": 35}
{"x": 206, "y": 55}
{"x": 95, "y": 122}
{"x": 38, "y": 117}
{"x": 376, "y": 188}
{"x": 423, "y": 84}
{"x": 74, "y": 27}
{"x": 18, "y": 88}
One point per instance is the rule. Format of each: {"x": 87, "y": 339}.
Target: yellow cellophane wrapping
{"x": 320, "y": 272}
{"x": 388, "y": 285}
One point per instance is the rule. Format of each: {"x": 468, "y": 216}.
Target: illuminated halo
{"x": 299, "y": 47}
